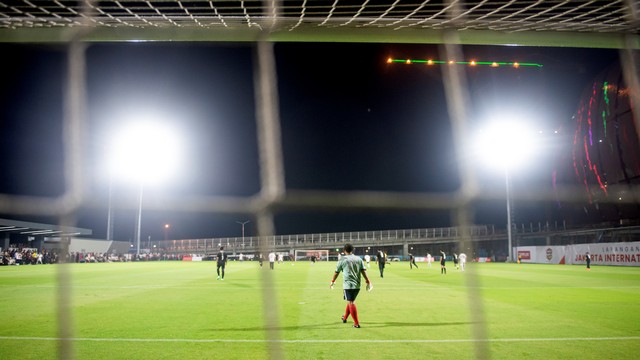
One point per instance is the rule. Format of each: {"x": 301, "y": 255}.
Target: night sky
{"x": 350, "y": 121}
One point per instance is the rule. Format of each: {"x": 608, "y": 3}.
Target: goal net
{"x": 310, "y": 255}
{"x": 452, "y": 23}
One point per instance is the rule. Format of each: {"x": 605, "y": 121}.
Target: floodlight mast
{"x": 509, "y": 237}
{"x": 146, "y": 152}
{"x": 243, "y": 223}
{"x": 139, "y": 222}
{"x": 505, "y": 144}
{"x": 110, "y": 211}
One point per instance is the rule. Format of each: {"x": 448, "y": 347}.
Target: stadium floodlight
{"x": 166, "y": 231}
{"x": 505, "y": 145}
{"x": 144, "y": 153}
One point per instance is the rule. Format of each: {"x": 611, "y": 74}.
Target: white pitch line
{"x": 619, "y": 338}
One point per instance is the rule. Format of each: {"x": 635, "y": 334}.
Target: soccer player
{"x": 443, "y": 260}
{"x": 272, "y": 259}
{"x": 412, "y": 262}
{"x": 352, "y": 267}
{"x": 455, "y": 261}
{"x": 463, "y": 260}
{"x": 429, "y": 259}
{"x": 367, "y": 260}
{"x": 222, "y": 262}
{"x": 588, "y": 258}
{"x": 381, "y": 258}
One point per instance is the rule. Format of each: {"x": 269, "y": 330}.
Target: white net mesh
{"x": 593, "y": 23}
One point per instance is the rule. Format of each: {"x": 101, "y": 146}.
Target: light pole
{"x": 144, "y": 153}
{"x": 509, "y": 238}
{"x": 110, "y": 211}
{"x": 243, "y": 223}
{"x": 506, "y": 144}
{"x": 139, "y": 222}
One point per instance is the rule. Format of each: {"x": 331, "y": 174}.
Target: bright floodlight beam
{"x": 144, "y": 153}
{"x": 505, "y": 144}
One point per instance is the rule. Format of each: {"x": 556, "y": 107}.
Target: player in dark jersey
{"x": 222, "y": 262}
{"x": 381, "y": 262}
{"x": 443, "y": 261}
{"x": 412, "y": 261}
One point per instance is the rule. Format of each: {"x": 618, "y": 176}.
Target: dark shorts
{"x": 351, "y": 294}
{"x": 221, "y": 265}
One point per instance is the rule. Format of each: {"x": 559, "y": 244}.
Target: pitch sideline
{"x": 32, "y": 338}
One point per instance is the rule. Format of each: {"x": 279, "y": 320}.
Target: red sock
{"x": 347, "y": 312}
{"x": 354, "y": 314}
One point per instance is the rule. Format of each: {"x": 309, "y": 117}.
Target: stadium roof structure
{"x": 562, "y": 23}
{"x": 36, "y": 229}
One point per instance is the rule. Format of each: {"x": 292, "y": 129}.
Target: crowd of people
{"x": 28, "y": 256}
{"x": 32, "y": 256}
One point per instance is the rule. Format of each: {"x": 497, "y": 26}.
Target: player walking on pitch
{"x": 272, "y": 259}
{"x": 221, "y": 263}
{"x": 412, "y": 261}
{"x": 443, "y": 263}
{"x": 463, "y": 260}
{"x": 352, "y": 267}
{"x": 381, "y": 258}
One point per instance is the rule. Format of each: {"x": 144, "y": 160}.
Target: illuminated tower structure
{"x": 604, "y": 156}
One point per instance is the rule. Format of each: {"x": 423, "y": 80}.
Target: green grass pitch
{"x": 170, "y": 310}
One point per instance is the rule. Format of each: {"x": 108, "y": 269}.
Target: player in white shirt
{"x": 272, "y": 259}
{"x": 463, "y": 260}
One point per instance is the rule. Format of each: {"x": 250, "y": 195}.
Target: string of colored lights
{"x": 514, "y": 64}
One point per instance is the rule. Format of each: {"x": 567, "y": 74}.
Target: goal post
{"x": 307, "y": 255}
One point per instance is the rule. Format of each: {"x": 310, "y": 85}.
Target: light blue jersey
{"x": 351, "y": 267}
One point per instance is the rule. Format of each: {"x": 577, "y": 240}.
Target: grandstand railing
{"x": 559, "y": 232}
{"x": 324, "y": 239}
{"x": 321, "y": 240}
